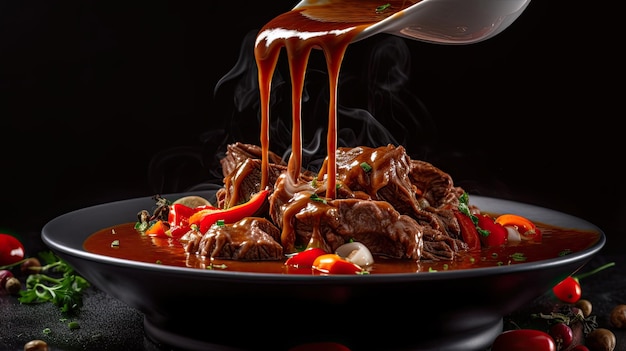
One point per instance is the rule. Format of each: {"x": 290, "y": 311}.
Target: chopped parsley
{"x": 383, "y": 8}
{"x": 367, "y": 168}
{"x": 518, "y": 256}
{"x": 317, "y": 198}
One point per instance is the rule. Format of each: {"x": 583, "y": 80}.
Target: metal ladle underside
{"x": 445, "y": 21}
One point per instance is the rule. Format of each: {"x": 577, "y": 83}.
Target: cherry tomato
{"x": 568, "y": 290}
{"x": 334, "y": 264}
{"x": 497, "y": 234}
{"x": 305, "y": 258}
{"x": 468, "y": 231}
{"x": 562, "y": 334}
{"x": 302, "y": 262}
{"x": 523, "y": 340}
{"x": 11, "y": 249}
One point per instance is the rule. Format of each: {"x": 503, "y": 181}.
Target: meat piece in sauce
{"x": 241, "y": 167}
{"x": 331, "y": 224}
{"x": 239, "y": 152}
{"x": 250, "y": 239}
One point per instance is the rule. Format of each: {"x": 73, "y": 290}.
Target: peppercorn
{"x": 618, "y": 316}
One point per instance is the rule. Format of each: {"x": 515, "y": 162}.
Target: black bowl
{"x": 198, "y": 309}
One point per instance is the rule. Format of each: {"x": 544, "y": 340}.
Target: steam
{"x": 390, "y": 113}
{"x": 246, "y": 92}
{"x": 391, "y": 99}
{"x": 376, "y": 107}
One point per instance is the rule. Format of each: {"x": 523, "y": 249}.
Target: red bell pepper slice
{"x": 178, "y": 231}
{"x": 207, "y": 217}
{"x": 468, "y": 230}
{"x": 179, "y": 214}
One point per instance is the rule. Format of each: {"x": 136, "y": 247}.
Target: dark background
{"x": 103, "y": 101}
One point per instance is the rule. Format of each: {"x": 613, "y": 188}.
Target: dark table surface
{"x": 108, "y": 324}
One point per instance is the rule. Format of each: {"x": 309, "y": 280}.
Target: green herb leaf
{"x": 367, "y": 168}
{"x": 382, "y": 8}
{"x": 464, "y": 208}
{"x": 317, "y": 198}
{"x": 60, "y": 285}
{"x": 518, "y": 256}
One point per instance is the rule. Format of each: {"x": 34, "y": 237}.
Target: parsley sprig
{"x": 464, "y": 208}
{"x": 57, "y": 283}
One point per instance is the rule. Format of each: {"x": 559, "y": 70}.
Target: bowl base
{"x": 477, "y": 340}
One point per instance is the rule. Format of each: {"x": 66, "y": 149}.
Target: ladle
{"x": 445, "y": 21}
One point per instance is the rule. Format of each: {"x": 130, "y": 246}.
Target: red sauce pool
{"x": 137, "y": 247}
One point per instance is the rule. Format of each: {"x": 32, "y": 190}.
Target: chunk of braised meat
{"x": 239, "y": 152}
{"x": 382, "y": 173}
{"x": 439, "y": 245}
{"x": 250, "y": 239}
{"x": 242, "y": 174}
{"x": 304, "y": 220}
{"x": 433, "y": 185}
{"x": 378, "y": 226}
{"x": 244, "y": 181}
{"x": 414, "y": 188}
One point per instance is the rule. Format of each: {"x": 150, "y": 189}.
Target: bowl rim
{"x": 52, "y": 231}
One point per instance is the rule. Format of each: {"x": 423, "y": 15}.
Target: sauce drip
{"x": 327, "y": 25}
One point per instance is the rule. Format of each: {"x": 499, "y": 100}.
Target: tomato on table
{"x": 11, "y": 249}
{"x": 568, "y": 290}
{"x": 523, "y": 340}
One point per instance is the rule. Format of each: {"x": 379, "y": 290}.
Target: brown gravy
{"x": 167, "y": 251}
